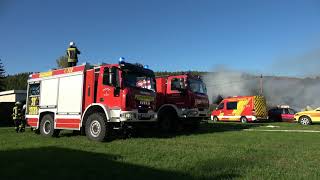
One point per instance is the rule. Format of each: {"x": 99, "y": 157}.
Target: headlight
{"x": 128, "y": 115}
{"x": 192, "y": 113}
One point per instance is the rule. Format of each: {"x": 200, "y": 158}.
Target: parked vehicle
{"x": 307, "y": 117}
{"x": 181, "y": 99}
{"x": 93, "y": 99}
{"x": 241, "y": 108}
{"x": 281, "y": 113}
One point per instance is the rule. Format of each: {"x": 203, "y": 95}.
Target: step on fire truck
{"x": 93, "y": 99}
{"x": 181, "y": 99}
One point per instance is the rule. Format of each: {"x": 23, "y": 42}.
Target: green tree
{"x": 62, "y": 61}
{"x": 2, "y": 76}
{"x": 17, "y": 81}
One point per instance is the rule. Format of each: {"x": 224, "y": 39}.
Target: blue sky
{"x": 247, "y": 35}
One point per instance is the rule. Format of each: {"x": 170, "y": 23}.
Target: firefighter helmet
{"x": 18, "y": 103}
{"x": 72, "y": 43}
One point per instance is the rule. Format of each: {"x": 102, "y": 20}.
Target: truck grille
{"x": 142, "y": 110}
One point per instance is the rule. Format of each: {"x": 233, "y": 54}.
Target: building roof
{"x": 3, "y": 93}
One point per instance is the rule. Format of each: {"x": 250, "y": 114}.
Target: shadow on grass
{"x": 60, "y": 163}
{"x": 205, "y": 128}
{"x": 153, "y": 132}
{"x": 228, "y": 126}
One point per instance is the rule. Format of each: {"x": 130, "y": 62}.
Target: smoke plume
{"x": 295, "y": 92}
{"x": 278, "y": 90}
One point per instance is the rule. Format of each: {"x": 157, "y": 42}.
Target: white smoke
{"x": 229, "y": 83}
{"x": 295, "y": 92}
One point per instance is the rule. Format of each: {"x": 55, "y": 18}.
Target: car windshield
{"x": 139, "y": 80}
{"x": 197, "y": 86}
{"x": 292, "y": 111}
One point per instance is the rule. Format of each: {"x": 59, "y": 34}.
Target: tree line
{"x": 19, "y": 81}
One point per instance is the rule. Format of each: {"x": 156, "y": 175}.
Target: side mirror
{"x": 116, "y": 92}
{"x": 113, "y": 77}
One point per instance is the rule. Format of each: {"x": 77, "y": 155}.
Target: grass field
{"x": 220, "y": 151}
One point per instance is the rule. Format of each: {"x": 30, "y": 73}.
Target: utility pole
{"x": 261, "y": 85}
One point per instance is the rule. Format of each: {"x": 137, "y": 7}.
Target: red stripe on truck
{"x": 33, "y": 122}
{"x": 73, "y": 126}
{"x": 68, "y": 123}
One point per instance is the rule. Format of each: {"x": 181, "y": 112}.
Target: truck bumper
{"x": 194, "y": 113}
{"x": 135, "y": 116}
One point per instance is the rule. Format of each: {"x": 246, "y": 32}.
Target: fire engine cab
{"x": 95, "y": 99}
{"x": 181, "y": 99}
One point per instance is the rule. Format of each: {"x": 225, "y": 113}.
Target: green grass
{"x": 219, "y": 151}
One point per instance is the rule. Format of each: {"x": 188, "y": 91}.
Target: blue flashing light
{"x": 121, "y": 59}
{"x": 146, "y": 66}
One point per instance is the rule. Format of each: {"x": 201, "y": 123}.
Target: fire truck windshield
{"x": 197, "y": 86}
{"x": 138, "y": 80}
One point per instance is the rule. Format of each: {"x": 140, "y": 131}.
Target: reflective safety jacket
{"x": 72, "y": 53}
{"x": 17, "y": 113}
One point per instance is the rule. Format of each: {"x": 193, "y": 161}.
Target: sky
{"x": 271, "y": 37}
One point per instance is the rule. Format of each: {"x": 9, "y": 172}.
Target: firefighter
{"x": 23, "y": 120}
{"x": 72, "y": 53}
{"x": 17, "y": 117}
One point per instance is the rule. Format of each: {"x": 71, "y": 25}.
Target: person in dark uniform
{"x": 17, "y": 117}
{"x": 72, "y": 53}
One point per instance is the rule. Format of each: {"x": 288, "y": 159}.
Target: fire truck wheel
{"x": 215, "y": 119}
{"x": 97, "y": 127}
{"x": 305, "y": 120}
{"x": 47, "y": 126}
{"x": 243, "y": 119}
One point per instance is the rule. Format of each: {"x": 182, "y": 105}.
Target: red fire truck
{"x": 93, "y": 99}
{"x": 181, "y": 99}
